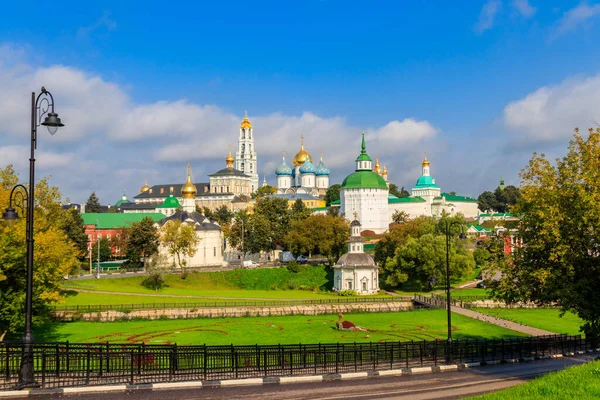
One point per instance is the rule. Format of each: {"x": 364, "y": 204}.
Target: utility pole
{"x": 243, "y": 254}
{"x": 98, "y": 265}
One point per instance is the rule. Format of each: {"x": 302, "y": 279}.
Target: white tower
{"x": 245, "y": 157}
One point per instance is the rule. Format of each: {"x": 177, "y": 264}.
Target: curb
{"x": 271, "y": 380}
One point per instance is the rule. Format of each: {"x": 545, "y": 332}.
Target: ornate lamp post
{"x": 42, "y": 105}
{"x": 462, "y": 236}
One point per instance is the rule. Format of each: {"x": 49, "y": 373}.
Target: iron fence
{"x": 70, "y": 365}
{"x": 229, "y": 304}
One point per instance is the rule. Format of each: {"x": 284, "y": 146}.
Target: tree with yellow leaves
{"x": 559, "y": 262}
{"x": 54, "y": 256}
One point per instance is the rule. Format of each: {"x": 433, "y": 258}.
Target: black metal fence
{"x": 223, "y": 304}
{"x": 69, "y": 365}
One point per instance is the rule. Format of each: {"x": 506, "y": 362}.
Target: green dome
{"x": 122, "y": 201}
{"x": 426, "y": 181}
{"x": 170, "y": 202}
{"x": 364, "y": 180}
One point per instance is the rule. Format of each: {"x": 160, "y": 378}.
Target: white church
{"x": 365, "y": 192}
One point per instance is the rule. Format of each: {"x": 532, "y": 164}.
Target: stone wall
{"x": 188, "y": 313}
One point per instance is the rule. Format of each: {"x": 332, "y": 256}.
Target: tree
{"x": 223, "y": 215}
{"x": 142, "y": 240}
{"x": 501, "y": 200}
{"x": 333, "y": 211}
{"x": 400, "y": 216}
{"x": 206, "y": 211}
{"x": 332, "y": 194}
{"x": 324, "y": 234}
{"x": 486, "y": 202}
{"x": 250, "y": 233}
{"x": 423, "y": 260}
{"x": 276, "y": 212}
{"x": 397, "y": 236}
{"x": 398, "y": 193}
{"x": 481, "y": 256}
{"x": 92, "y": 205}
{"x": 180, "y": 240}
{"x": 74, "y": 228}
{"x": 264, "y": 191}
{"x": 156, "y": 273}
{"x": 105, "y": 250}
{"x": 54, "y": 257}
{"x": 559, "y": 262}
{"x": 299, "y": 211}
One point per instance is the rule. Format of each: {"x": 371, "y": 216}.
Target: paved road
{"x": 446, "y": 385}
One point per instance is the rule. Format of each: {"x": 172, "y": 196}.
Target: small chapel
{"x": 356, "y": 270}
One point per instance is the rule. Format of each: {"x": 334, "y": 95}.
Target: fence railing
{"x": 221, "y": 303}
{"x": 70, "y": 365}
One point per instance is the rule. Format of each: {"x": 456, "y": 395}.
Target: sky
{"x": 146, "y": 87}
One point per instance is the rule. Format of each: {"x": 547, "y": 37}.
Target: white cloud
{"x": 104, "y": 21}
{"x": 552, "y": 112}
{"x": 111, "y": 142}
{"x": 524, "y": 8}
{"x": 487, "y": 15}
{"x": 576, "y": 17}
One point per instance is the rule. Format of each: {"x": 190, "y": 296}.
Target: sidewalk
{"x": 501, "y": 322}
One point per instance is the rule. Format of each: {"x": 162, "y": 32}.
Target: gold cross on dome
{"x": 355, "y": 215}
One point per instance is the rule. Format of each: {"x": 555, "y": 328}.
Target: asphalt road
{"x": 445, "y": 385}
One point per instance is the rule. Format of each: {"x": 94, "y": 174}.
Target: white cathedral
{"x": 304, "y": 177}
{"x": 365, "y": 193}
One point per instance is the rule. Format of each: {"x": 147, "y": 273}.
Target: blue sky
{"x": 145, "y": 87}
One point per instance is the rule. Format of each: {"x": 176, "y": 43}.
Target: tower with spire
{"x": 364, "y": 193}
{"x": 246, "y": 157}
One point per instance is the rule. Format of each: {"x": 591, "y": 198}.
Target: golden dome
{"x": 302, "y": 155}
{"x": 377, "y": 168}
{"x": 425, "y": 162}
{"x": 145, "y": 187}
{"x": 384, "y": 170}
{"x": 245, "y": 122}
{"x": 188, "y": 191}
{"x": 229, "y": 160}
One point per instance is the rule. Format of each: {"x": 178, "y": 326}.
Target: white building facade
{"x": 356, "y": 270}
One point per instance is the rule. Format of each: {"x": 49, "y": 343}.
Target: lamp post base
{"x": 27, "y": 375}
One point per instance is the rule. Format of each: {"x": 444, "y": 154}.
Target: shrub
{"x": 347, "y": 293}
{"x": 293, "y": 266}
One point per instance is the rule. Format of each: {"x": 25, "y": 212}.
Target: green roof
{"x": 496, "y": 215}
{"x": 336, "y": 202}
{"x": 364, "y": 179}
{"x": 320, "y": 208}
{"x": 170, "y": 202}
{"x": 363, "y": 152}
{"x": 425, "y": 182}
{"x": 479, "y": 228}
{"x": 451, "y": 197}
{"x": 416, "y": 199}
{"x": 122, "y": 201}
{"x": 117, "y": 220}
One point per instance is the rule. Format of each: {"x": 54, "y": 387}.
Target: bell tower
{"x": 245, "y": 157}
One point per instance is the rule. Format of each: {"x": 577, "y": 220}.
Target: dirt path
{"x": 528, "y": 330}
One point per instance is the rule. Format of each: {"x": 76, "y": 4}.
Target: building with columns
{"x": 245, "y": 157}
{"x": 356, "y": 270}
{"x": 303, "y": 177}
{"x": 364, "y": 193}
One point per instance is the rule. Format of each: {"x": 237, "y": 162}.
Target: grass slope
{"x": 414, "y": 325}
{"x": 542, "y": 318}
{"x": 581, "y": 382}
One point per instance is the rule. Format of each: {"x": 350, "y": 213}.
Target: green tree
{"x": 250, "y": 233}
{"x": 72, "y": 225}
{"x": 332, "y": 194}
{"x": 54, "y": 257}
{"x": 105, "y": 250}
{"x": 155, "y": 279}
{"x": 299, "y": 211}
{"x": 92, "y": 205}
{"x": 486, "y": 202}
{"x": 399, "y": 216}
{"x": 222, "y": 215}
{"x": 398, "y": 193}
{"x": 142, "y": 240}
{"x": 559, "y": 261}
{"x": 423, "y": 260}
{"x": 324, "y": 234}
{"x": 180, "y": 240}
{"x": 333, "y": 211}
{"x": 481, "y": 256}
{"x": 206, "y": 211}
{"x": 398, "y": 235}
{"x": 276, "y": 212}
{"x": 264, "y": 191}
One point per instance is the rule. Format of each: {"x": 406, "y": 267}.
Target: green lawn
{"x": 542, "y": 318}
{"x": 413, "y": 325}
{"x": 581, "y": 382}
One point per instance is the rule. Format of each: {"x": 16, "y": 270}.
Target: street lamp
{"x": 42, "y": 105}
{"x": 462, "y": 236}
{"x": 98, "y": 240}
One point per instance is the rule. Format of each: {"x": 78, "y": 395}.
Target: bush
{"x": 293, "y": 266}
{"x": 347, "y": 293}
{"x": 154, "y": 281}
